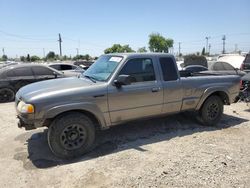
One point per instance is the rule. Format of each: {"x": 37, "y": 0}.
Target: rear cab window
{"x": 168, "y": 67}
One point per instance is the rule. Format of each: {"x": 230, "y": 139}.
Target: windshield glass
{"x": 103, "y": 68}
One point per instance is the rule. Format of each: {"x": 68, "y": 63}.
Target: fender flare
{"x": 210, "y": 91}
{"x": 85, "y": 106}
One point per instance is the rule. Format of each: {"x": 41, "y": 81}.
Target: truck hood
{"x": 55, "y": 87}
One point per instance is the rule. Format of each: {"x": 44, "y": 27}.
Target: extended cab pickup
{"x": 115, "y": 89}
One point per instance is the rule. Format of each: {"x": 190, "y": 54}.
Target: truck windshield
{"x": 103, "y": 68}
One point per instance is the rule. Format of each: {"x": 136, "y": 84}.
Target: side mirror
{"x": 122, "y": 80}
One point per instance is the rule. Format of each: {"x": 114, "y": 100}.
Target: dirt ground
{"x": 173, "y": 151}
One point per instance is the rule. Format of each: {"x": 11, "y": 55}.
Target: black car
{"x": 12, "y": 78}
{"x": 191, "y": 69}
{"x": 246, "y": 64}
{"x": 195, "y": 68}
{"x": 67, "y": 69}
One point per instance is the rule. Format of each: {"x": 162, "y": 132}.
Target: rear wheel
{"x": 7, "y": 95}
{"x": 211, "y": 111}
{"x": 71, "y": 135}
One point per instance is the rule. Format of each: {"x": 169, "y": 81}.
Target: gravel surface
{"x": 173, "y": 151}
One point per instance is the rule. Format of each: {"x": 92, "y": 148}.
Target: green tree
{"x": 22, "y": 58}
{"x": 158, "y": 43}
{"x": 65, "y": 57}
{"x": 142, "y": 50}
{"x": 4, "y": 58}
{"x": 34, "y": 58}
{"x": 117, "y": 48}
{"x": 86, "y": 57}
{"x": 82, "y": 57}
{"x": 51, "y": 55}
{"x": 203, "y": 51}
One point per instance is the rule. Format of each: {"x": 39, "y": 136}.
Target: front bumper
{"x": 29, "y": 124}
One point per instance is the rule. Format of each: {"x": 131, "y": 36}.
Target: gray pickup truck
{"x": 118, "y": 88}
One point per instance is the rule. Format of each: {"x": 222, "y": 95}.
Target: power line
{"x": 24, "y": 37}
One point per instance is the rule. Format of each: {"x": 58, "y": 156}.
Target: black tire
{"x": 211, "y": 111}
{"x": 71, "y": 135}
{"x": 6, "y": 95}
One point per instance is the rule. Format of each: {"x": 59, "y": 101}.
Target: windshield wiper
{"x": 91, "y": 78}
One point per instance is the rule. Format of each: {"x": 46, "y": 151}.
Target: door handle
{"x": 155, "y": 89}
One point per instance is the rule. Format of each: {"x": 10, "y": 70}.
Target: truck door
{"x": 172, "y": 87}
{"x": 142, "y": 98}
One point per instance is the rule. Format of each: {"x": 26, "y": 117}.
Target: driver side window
{"x": 140, "y": 70}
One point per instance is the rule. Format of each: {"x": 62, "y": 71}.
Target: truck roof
{"x": 140, "y": 55}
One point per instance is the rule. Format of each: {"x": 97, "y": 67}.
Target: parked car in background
{"x": 6, "y": 64}
{"x": 13, "y": 77}
{"x": 224, "y": 68}
{"x": 246, "y": 82}
{"x": 244, "y": 95}
{"x": 67, "y": 69}
{"x": 191, "y": 69}
{"x": 245, "y": 66}
{"x": 84, "y": 64}
{"x": 195, "y": 68}
{"x": 233, "y": 59}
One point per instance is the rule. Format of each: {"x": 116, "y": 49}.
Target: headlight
{"x": 25, "y": 108}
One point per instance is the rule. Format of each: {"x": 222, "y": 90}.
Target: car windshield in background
{"x": 103, "y": 68}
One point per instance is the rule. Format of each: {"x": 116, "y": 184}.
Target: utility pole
{"x": 43, "y": 53}
{"x": 207, "y": 44}
{"x": 60, "y": 44}
{"x": 224, "y": 43}
{"x": 235, "y": 48}
{"x": 179, "y": 49}
{"x": 77, "y": 51}
{"x": 3, "y": 51}
{"x": 209, "y": 48}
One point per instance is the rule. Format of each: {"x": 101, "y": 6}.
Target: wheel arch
{"x": 222, "y": 93}
{"x": 89, "y": 114}
{"x": 90, "y": 111}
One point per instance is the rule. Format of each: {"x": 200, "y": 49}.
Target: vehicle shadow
{"x": 126, "y": 136}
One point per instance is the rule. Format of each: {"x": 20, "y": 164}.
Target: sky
{"x": 93, "y": 25}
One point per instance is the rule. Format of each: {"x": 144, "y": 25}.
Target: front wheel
{"x": 211, "y": 111}
{"x": 71, "y": 135}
